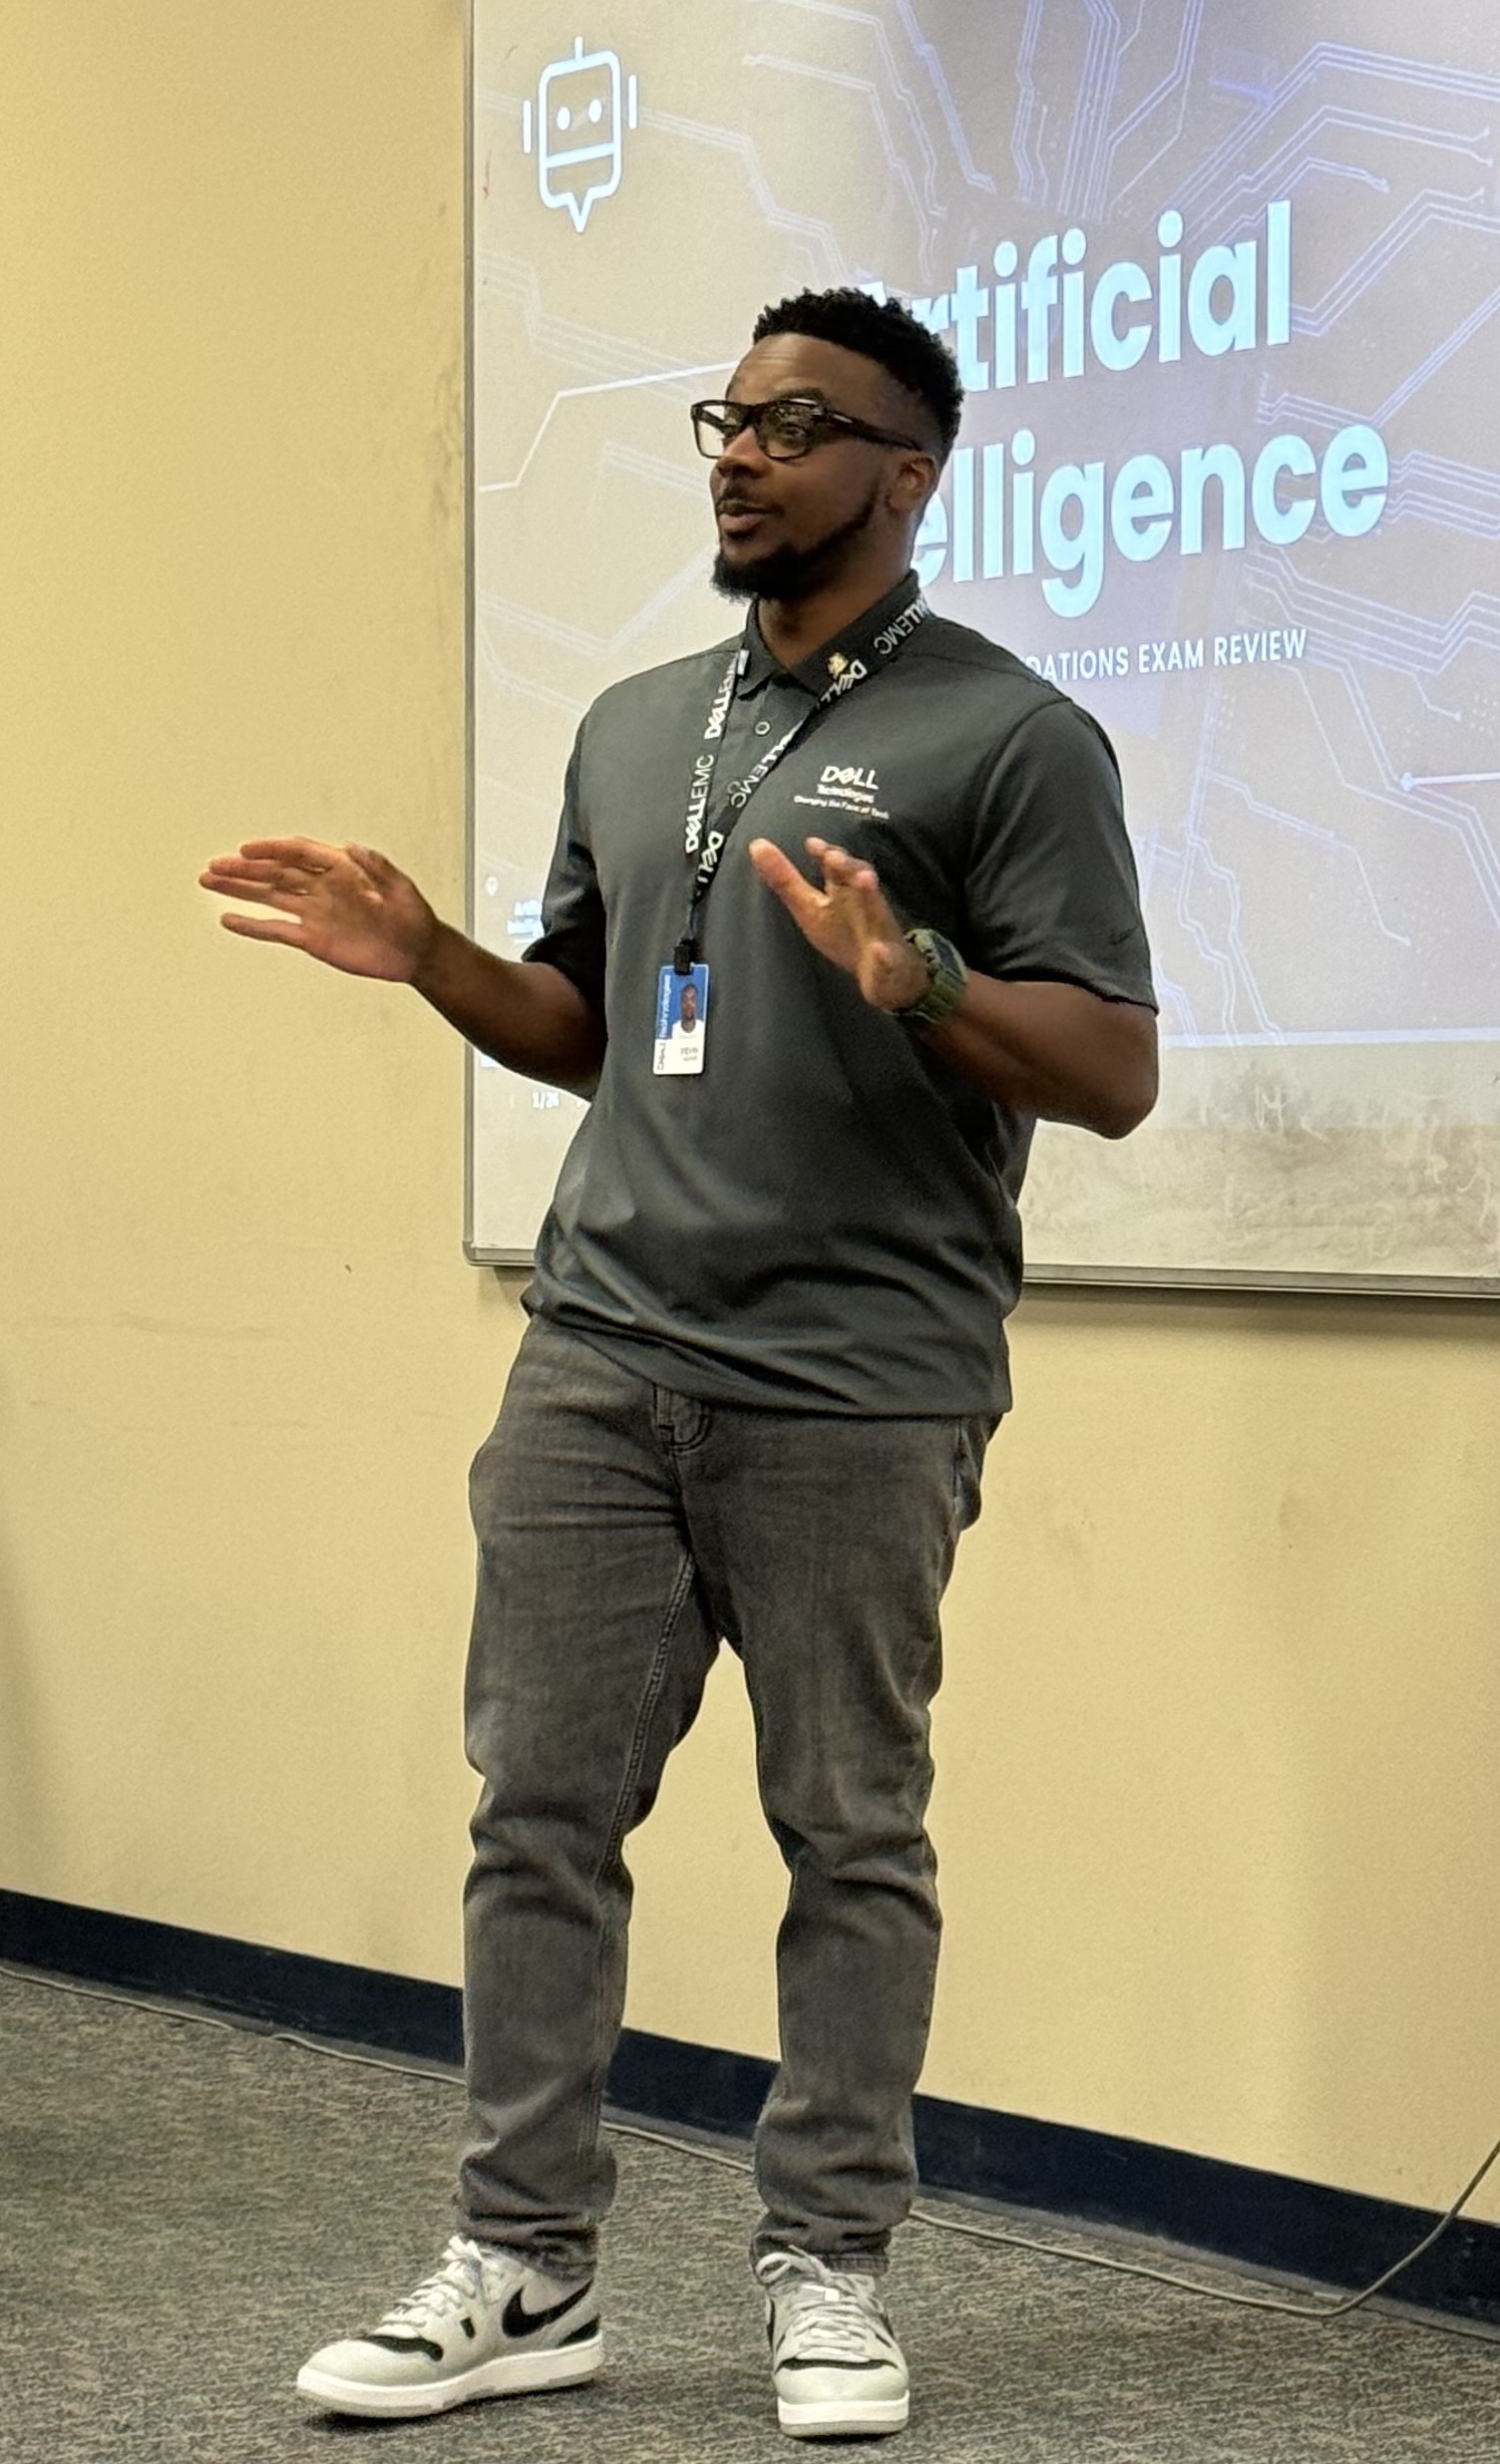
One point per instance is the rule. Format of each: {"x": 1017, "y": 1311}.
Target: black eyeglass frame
{"x": 750, "y": 414}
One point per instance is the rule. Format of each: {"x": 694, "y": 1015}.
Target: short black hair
{"x": 882, "y": 330}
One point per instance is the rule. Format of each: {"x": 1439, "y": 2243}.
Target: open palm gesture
{"x": 346, "y": 906}
{"x": 849, "y": 920}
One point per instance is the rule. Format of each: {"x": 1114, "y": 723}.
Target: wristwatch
{"x": 947, "y": 977}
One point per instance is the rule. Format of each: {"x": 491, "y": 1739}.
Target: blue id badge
{"x": 681, "y": 1022}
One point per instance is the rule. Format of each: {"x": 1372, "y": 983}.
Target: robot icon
{"x": 579, "y": 129}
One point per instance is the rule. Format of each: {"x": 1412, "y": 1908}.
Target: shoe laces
{"x": 828, "y": 2312}
{"x": 457, "y": 2281}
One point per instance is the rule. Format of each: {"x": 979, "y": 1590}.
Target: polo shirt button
{"x": 763, "y": 727}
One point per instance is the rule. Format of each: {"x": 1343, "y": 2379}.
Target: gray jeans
{"x": 624, "y": 1529}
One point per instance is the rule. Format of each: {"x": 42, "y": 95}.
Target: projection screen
{"x": 1224, "y": 285}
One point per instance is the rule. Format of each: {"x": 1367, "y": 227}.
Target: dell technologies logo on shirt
{"x": 846, "y": 786}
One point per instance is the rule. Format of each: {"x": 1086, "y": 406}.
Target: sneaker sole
{"x": 873, "y": 2419}
{"x": 521, "y": 2374}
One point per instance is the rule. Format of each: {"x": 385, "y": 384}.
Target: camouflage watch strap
{"x": 947, "y": 977}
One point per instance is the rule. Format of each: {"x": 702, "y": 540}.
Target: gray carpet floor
{"x": 186, "y": 2211}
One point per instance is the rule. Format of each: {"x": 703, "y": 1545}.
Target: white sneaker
{"x": 837, "y": 2367}
{"x": 485, "y": 2322}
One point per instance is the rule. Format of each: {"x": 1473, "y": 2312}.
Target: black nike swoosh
{"x": 518, "y": 2321}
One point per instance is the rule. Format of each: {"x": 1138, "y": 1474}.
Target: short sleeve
{"x": 573, "y": 912}
{"x": 1052, "y": 888}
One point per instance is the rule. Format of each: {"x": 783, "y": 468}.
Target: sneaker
{"x": 837, "y": 2367}
{"x": 484, "y": 2322}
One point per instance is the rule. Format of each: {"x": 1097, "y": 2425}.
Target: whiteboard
{"x": 1225, "y": 287}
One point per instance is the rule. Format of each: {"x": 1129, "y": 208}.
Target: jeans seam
{"x": 614, "y": 1838}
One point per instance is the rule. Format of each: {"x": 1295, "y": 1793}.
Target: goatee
{"x": 791, "y": 573}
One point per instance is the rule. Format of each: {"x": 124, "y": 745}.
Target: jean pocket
{"x": 971, "y": 1439}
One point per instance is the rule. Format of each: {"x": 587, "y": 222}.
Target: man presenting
{"x": 765, "y": 1350}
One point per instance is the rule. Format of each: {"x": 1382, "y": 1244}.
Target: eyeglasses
{"x": 785, "y": 430}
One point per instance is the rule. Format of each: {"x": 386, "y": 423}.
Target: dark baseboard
{"x": 1259, "y": 2220}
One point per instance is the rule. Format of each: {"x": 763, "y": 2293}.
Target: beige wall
{"x": 1218, "y": 1808}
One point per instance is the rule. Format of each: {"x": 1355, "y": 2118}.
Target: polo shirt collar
{"x": 816, "y": 673}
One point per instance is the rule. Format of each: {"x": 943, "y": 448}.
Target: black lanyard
{"x": 707, "y": 846}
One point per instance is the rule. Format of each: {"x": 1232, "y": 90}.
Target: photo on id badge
{"x": 681, "y": 1022}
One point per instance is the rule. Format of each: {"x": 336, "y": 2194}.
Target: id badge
{"x": 681, "y": 1022}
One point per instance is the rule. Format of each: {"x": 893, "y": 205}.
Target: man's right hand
{"x": 347, "y": 905}
{"x": 354, "y": 911}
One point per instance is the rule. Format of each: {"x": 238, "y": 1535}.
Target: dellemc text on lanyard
{"x": 705, "y": 846}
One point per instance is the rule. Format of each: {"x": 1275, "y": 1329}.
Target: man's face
{"x": 687, "y": 1008}
{"x": 786, "y": 528}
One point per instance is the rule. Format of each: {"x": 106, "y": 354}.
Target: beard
{"x": 791, "y": 573}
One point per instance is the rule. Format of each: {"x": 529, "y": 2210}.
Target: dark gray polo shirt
{"x": 825, "y": 1220}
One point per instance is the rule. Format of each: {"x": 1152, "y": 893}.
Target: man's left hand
{"x": 849, "y": 920}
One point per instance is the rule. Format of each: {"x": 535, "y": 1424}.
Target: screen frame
{"x": 1054, "y": 1272}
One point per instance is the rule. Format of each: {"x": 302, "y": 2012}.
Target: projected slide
{"x": 1223, "y": 286}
